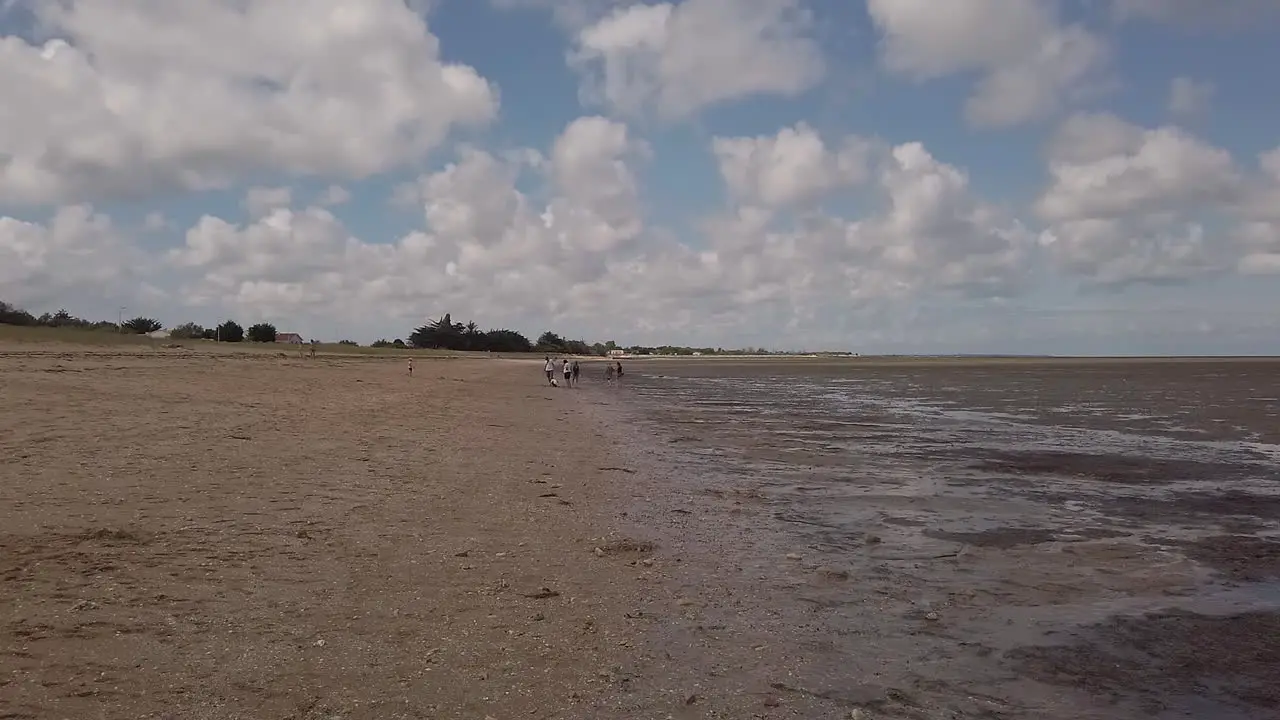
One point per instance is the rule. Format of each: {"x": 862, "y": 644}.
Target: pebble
{"x": 793, "y": 556}
{"x": 685, "y": 602}
{"x": 599, "y": 552}
{"x": 931, "y": 616}
{"x": 647, "y": 562}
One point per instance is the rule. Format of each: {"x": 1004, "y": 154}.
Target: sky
{"x": 877, "y": 176}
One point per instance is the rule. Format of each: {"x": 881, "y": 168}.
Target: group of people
{"x": 572, "y": 371}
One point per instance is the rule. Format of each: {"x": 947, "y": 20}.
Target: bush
{"x": 352, "y": 343}
{"x": 189, "y": 331}
{"x": 142, "y": 325}
{"x": 262, "y": 333}
{"x": 230, "y": 331}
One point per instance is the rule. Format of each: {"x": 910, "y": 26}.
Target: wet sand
{"x": 970, "y": 539}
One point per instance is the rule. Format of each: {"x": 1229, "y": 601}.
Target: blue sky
{"x": 882, "y": 176}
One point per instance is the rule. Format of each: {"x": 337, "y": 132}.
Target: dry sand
{"x": 203, "y": 535}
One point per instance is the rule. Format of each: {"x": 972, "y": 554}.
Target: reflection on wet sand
{"x": 1012, "y": 540}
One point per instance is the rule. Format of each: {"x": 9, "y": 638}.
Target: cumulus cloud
{"x": 1102, "y": 166}
{"x": 77, "y": 253}
{"x": 792, "y": 167}
{"x": 131, "y": 97}
{"x": 583, "y": 257}
{"x": 676, "y": 59}
{"x": 1132, "y": 204}
{"x": 1030, "y": 64}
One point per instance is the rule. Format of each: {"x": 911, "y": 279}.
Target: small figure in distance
{"x": 550, "y": 369}
{"x": 567, "y": 369}
{"x": 410, "y": 367}
{"x": 619, "y": 371}
{"x": 576, "y": 371}
{"x": 608, "y": 373}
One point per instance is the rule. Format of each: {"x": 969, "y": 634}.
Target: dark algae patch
{"x": 1170, "y": 661}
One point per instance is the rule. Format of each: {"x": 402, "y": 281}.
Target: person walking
{"x": 410, "y": 367}
{"x": 608, "y": 373}
{"x": 567, "y": 369}
{"x": 619, "y": 371}
{"x": 550, "y": 369}
{"x": 576, "y": 371}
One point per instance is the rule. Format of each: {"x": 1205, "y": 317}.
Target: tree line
{"x": 228, "y": 331}
{"x": 440, "y": 334}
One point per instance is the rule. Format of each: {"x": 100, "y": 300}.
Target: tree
{"x": 142, "y": 325}
{"x": 550, "y": 342}
{"x": 230, "y": 331}
{"x": 262, "y": 333}
{"x": 506, "y": 341}
{"x": 14, "y": 315}
{"x": 188, "y": 331}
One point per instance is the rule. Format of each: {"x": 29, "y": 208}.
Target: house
{"x": 291, "y": 338}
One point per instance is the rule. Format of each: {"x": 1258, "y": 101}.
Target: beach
{"x": 193, "y": 534}
{"x": 204, "y": 532}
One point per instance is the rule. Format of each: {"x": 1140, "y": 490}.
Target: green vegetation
{"x": 142, "y": 325}
{"x": 262, "y": 333}
{"x": 229, "y": 331}
{"x": 442, "y": 334}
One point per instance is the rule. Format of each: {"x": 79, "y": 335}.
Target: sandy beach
{"x": 202, "y": 535}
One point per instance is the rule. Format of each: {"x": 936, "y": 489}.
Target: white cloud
{"x": 1133, "y": 204}
{"x": 676, "y": 59}
{"x": 1104, "y": 167}
{"x": 134, "y": 96}
{"x": 793, "y": 167}
{"x": 584, "y": 260}
{"x": 1030, "y": 64}
{"x": 77, "y": 254}
{"x": 259, "y": 201}
{"x": 1189, "y": 97}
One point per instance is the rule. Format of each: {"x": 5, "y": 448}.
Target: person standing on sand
{"x": 410, "y": 367}
{"x": 550, "y": 369}
{"x": 608, "y": 373}
{"x": 567, "y": 370}
{"x": 619, "y": 371}
{"x": 576, "y": 371}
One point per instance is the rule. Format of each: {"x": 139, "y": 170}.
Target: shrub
{"x": 142, "y": 325}
{"x": 262, "y": 333}
{"x": 189, "y": 331}
{"x": 230, "y": 331}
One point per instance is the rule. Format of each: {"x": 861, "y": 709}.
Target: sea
{"x": 1000, "y": 538}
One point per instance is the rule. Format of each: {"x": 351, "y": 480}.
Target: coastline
{"x": 220, "y": 536}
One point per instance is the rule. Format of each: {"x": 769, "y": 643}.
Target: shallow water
{"x": 983, "y": 539}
